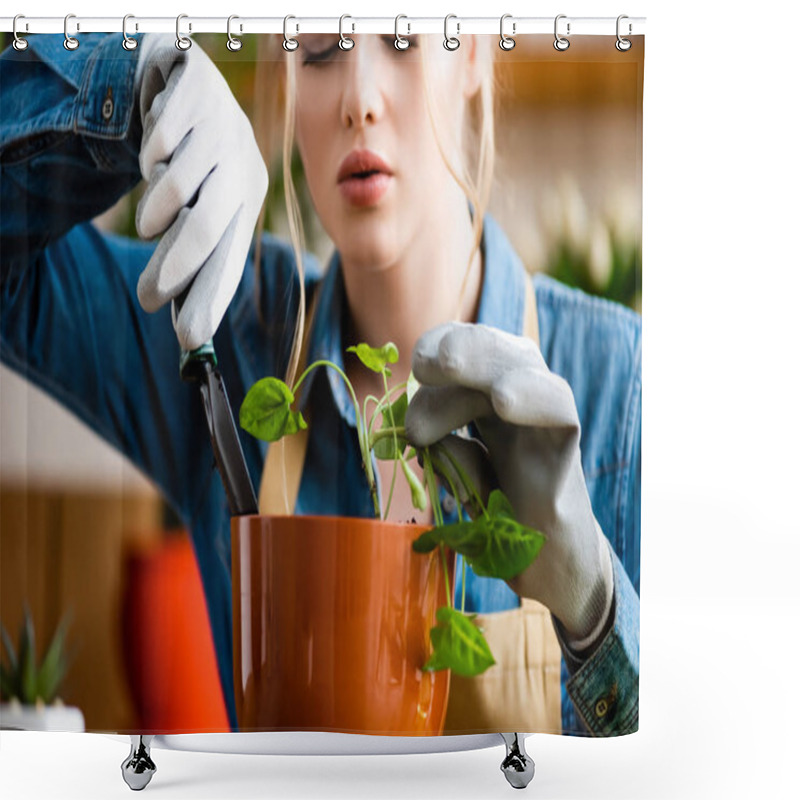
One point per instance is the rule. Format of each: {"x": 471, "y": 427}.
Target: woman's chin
{"x": 367, "y": 259}
{"x": 370, "y": 245}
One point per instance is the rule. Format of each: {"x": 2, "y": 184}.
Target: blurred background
{"x": 81, "y": 531}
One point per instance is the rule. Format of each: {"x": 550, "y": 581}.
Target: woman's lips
{"x": 363, "y": 178}
{"x": 365, "y": 191}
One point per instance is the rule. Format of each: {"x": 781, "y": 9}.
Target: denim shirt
{"x": 71, "y": 323}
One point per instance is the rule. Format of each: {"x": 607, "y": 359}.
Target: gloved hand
{"x": 206, "y": 183}
{"x": 527, "y": 419}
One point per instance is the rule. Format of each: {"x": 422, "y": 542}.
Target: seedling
{"x": 22, "y": 678}
{"x": 494, "y": 543}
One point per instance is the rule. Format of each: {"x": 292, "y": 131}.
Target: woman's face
{"x": 367, "y": 141}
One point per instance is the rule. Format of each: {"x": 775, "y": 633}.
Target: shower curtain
{"x": 321, "y": 384}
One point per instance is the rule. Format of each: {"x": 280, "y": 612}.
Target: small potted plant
{"x": 30, "y": 700}
{"x": 366, "y": 596}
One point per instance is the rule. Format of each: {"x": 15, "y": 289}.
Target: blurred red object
{"x": 167, "y": 644}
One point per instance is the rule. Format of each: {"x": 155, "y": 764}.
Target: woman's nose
{"x": 362, "y": 99}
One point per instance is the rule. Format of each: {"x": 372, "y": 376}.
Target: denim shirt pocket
{"x": 56, "y": 94}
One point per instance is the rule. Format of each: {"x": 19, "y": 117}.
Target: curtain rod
{"x": 512, "y": 26}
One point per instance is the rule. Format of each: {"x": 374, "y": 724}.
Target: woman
{"x": 384, "y": 141}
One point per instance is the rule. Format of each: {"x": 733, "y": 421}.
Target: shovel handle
{"x": 193, "y": 362}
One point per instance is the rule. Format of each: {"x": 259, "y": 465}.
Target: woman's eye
{"x": 318, "y": 49}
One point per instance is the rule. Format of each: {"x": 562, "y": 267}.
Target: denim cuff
{"x": 604, "y": 686}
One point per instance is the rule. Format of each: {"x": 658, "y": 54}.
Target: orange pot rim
{"x": 330, "y": 519}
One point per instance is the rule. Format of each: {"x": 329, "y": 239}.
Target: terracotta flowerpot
{"x": 331, "y": 626}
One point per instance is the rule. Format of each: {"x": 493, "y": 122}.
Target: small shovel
{"x": 200, "y": 365}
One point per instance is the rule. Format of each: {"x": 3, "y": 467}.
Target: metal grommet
{"x": 345, "y": 42}
{"x": 182, "y": 42}
{"x": 400, "y": 42}
{"x": 127, "y": 42}
{"x": 289, "y": 44}
{"x": 19, "y": 43}
{"x": 451, "y": 42}
{"x": 561, "y": 43}
{"x": 506, "y": 42}
{"x": 623, "y": 45}
{"x": 233, "y": 44}
{"x": 70, "y": 42}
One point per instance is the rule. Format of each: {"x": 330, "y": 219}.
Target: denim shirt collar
{"x": 502, "y": 305}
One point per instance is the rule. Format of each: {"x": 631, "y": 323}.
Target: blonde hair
{"x": 476, "y": 187}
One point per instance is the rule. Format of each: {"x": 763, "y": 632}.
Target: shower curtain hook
{"x": 127, "y": 42}
{"x": 400, "y": 42}
{"x": 70, "y": 42}
{"x": 290, "y": 44}
{"x": 233, "y": 44}
{"x": 561, "y": 43}
{"x": 19, "y": 43}
{"x": 506, "y": 42}
{"x": 623, "y": 45}
{"x": 345, "y": 42}
{"x": 182, "y": 42}
{"x": 451, "y": 42}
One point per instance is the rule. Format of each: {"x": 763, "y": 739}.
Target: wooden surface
{"x": 63, "y": 550}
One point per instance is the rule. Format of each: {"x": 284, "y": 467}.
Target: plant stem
{"x": 380, "y": 404}
{"x": 465, "y": 480}
{"x": 360, "y": 427}
{"x": 433, "y": 493}
{"x": 385, "y": 433}
{"x": 391, "y": 491}
{"x": 394, "y": 436}
{"x": 446, "y": 577}
{"x": 442, "y": 469}
{"x": 374, "y": 413}
{"x": 463, "y": 583}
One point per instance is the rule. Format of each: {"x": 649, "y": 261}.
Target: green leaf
{"x": 376, "y": 358}
{"x": 458, "y": 644}
{"x": 498, "y": 547}
{"x": 9, "y": 646}
{"x": 7, "y": 687}
{"x": 426, "y": 542}
{"x": 510, "y": 548}
{"x": 266, "y": 411}
{"x": 467, "y": 538}
{"x": 384, "y": 449}
{"x": 27, "y": 661}
{"x": 499, "y": 505}
{"x": 51, "y": 671}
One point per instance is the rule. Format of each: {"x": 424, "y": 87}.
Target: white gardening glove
{"x": 526, "y": 417}
{"x": 207, "y": 181}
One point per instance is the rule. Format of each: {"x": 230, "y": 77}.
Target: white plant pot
{"x": 15, "y": 716}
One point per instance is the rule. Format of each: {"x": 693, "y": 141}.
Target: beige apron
{"x": 522, "y": 691}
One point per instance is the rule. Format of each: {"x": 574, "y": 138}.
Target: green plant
{"x": 23, "y": 678}
{"x": 494, "y": 543}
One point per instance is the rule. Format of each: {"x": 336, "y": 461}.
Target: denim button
{"x": 108, "y": 106}
{"x": 601, "y": 707}
{"x": 449, "y": 504}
